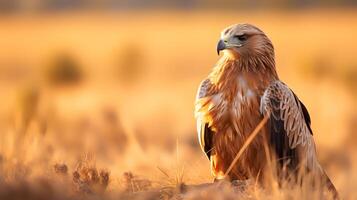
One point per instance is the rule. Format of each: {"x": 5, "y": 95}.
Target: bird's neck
{"x": 228, "y": 70}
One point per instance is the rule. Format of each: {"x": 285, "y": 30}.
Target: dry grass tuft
{"x": 63, "y": 69}
{"x": 133, "y": 184}
{"x": 88, "y": 179}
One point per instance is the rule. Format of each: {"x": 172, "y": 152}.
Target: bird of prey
{"x": 242, "y": 89}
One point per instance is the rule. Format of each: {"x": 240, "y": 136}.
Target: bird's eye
{"x": 241, "y": 37}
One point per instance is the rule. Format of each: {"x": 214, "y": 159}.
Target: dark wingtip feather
{"x": 305, "y": 112}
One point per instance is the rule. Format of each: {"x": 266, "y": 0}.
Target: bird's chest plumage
{"x": 233, "y": 113}
{"x": 235, "y": 107}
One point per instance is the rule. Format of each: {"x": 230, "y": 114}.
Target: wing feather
{"x": 203, "y": 130}
{"x": 289, "y": 125}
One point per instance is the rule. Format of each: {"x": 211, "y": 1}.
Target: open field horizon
{"x": 126, "y": 96}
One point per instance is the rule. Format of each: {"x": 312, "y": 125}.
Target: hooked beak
{"x": 220, "y": 46}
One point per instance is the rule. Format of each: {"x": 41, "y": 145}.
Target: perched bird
{"x": 242, "y": 89}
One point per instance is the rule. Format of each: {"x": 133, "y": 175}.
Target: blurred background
{"x": 116, "y": 80}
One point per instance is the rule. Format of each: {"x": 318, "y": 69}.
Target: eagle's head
{"x": 245, "y": 41}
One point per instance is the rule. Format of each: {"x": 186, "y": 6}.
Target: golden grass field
{"x": 118, "y": 122}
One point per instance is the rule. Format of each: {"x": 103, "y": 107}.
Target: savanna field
{"x": 100, "y": 105}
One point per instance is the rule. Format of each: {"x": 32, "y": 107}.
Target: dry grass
{"x": 124, "y": 128}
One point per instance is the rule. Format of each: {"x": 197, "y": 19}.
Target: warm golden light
{"x": 100, "y": 101}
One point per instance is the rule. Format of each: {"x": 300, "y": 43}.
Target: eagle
{"x": 242, "y": 90}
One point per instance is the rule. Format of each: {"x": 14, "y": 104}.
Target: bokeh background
{"x": 112, "y": 84}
